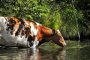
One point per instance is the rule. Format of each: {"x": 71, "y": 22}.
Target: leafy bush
{"x": 71, "y": 18}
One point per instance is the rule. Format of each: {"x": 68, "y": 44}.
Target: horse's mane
{"x": 32, "y": 22}
{"x": 21, "y": 20}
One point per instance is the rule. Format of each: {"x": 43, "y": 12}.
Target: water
{"x": 74, "y": 52}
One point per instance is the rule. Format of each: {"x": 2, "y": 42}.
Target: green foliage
{"x": 29, "y": 17}
{"x": 70, "y": 17}
{"x": 67, "y": 15}
{"x": 55, "y": 21}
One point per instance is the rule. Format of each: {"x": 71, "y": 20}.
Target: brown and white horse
{"x": 27, "y": 33}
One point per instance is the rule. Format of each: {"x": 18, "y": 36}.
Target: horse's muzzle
{"x": 64, "y": 44}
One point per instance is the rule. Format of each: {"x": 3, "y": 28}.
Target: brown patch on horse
{"x": 12, "y": 24}
{"x": 21, "y": 27}
{"x": 15, "y": 25}
{"x": 44, "y": 32}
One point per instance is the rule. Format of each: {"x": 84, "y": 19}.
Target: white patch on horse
{"x": 15, "y": 30}
{"x": 2, "y": 22}
{"x": 34, "y": 31}
{"x": 35, "y": 43}
{"x": 22, "y": 40}
{"x": 26, "y": 23}
{"x": 58, "y": 31}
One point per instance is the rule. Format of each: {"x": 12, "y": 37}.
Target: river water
{"x": 79, "y": 51}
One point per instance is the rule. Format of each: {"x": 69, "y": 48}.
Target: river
{"x": 73, "y": 51}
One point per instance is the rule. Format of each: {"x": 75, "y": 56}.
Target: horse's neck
{"x": 46, "y": 31}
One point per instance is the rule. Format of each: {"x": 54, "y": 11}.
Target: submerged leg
{"x": 41, "y": 42}
{"x": 35, "y": 43}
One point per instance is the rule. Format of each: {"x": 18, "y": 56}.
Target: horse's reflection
{"x": 61, "y": 54}
{"x": 41, "y": 54}
{"x": 33, "y": 54}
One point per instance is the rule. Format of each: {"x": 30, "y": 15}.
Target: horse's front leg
{"x": 35, "y": 43}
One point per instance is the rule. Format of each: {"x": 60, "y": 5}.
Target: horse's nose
{"x": 64, "y": 44}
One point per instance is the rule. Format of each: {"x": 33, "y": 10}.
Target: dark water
{"x": 79, "y": 52}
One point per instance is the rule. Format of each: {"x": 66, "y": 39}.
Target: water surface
{"x": 73, "y": 51}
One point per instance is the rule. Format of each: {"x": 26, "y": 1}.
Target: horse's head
{"x": 58, "y": 39}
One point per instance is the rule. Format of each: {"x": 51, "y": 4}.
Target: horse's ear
{"x": 58, "y": 31}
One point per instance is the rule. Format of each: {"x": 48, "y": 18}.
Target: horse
{"x": 27, "y": 33}
{"x": 40, "y": 34}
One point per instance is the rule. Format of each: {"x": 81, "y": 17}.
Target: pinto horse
{"x": 27, "y": 33}
{"x": 40, "y": 34}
